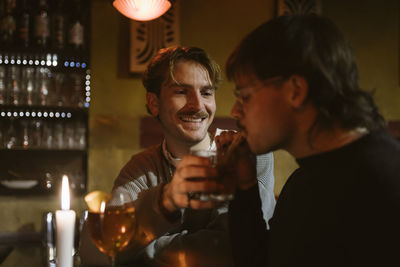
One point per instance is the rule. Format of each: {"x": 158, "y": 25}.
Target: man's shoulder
{"x": 146, "y": 158}
{"x": 150, "y": 152}
{"x": 145, "y": 166}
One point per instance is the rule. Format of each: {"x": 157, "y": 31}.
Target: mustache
{"x": 195, "y": 114}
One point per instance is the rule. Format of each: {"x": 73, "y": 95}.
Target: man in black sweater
{"x": 297, "y": 89}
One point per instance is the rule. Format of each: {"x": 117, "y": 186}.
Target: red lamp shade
{"x": 142, "y": 10}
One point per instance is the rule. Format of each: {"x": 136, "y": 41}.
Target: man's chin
{"x": 194, "y": 137}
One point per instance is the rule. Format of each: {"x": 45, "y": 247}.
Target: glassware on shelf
{"x": 36, "y": 133}
{"x": 41, "y": 24}
{"x": 80, "y": 135}
{"x": 25, "y": 135}
{"x": 13, "y": 87}
{"x": 3, "y": 82}
{"x": 69, "y": 140}
{"x": 76, "y": 179}
{"x": 11, "y": 138}
{"x": 49, "y": 180}
{"x": 43, "y": 69}
{"x": 2, "y": 133}
{"x": 43, "y": 86}
{"x": 58, "y": 136}
{"x": 77, "y": 98}
{"x": 76, "y": 29}
{"x": 58, "y": 25}
{"x": 47, "y": 135}
{"x": 8, "y": 23}
{"x": 24, "y": 24}
{"x": 28, "y": 92}
{"x": 58, "y": 89}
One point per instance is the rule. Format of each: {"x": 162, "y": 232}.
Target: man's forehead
{"x": 187, "y": 69}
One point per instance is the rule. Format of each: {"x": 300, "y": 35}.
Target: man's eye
{"x": 245, "y": 98}
{"x": 180, "y": 92}
{"x": 207, "y": 93}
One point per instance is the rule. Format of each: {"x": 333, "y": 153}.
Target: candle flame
{"x": 102, "y": 206}
{"x": 65, "y": 193}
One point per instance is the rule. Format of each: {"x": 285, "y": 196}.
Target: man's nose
{"x": 194, "y": 101}
{"x": 237, "y": 111}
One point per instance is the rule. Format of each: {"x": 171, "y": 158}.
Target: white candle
{"x": 65, "y": 224}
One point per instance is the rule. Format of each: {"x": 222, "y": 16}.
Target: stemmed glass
{"x": 112, "y": 227}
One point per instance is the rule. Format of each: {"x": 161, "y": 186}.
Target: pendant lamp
{"x": 142, "y": 10}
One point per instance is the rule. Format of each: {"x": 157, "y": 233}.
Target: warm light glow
{"x": 65, "y": 193}
{"x": 142, "y": 10}
{"x": 182, "y": 259}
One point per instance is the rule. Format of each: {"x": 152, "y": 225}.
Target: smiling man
{"x": 174, "y": 229}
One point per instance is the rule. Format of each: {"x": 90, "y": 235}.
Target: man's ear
{"x": 299, "y": 90}
{"x": 152, "y": 103}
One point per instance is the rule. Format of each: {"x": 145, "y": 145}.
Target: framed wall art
{"x": 147, "y": 37}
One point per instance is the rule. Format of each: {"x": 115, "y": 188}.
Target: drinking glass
{"x": 113, "y": 226}
{"x": 224, "y": 177}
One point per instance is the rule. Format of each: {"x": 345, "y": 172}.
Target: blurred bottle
{"x": 8, "y": 24}
{"x": 41, "y": 24}
{"x": 26, "y": 142}
{"x": 13, "y": 87}
{"x": 77, "y": 98}
{"x": 80, "y": 135}
{"x": 59, "y": 136}
{"x": 47, "y": 135}
{"x": 11, "y": 139}
{"x": 58, "y": 25}
{"x": 36, "y": 133}
{"x": 69, "y": 138}
{"x": 2, "y": 133}
{"x": 27, "y": 86}
{"x": 76, "y": 29}
{"x": 3, "y": 82}
{"x": 24, "y": 24}
{"x": 58, "y": 88}
{"x": 43, "y": 86}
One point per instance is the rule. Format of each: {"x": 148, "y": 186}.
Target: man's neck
{"x": 179, "y": 149}
{"x": 325, "y": 140}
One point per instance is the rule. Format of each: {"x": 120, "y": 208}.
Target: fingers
{"x": 224, "y": 140}
{"x": 193, "y": 174}
{"x": 188, "y": 195}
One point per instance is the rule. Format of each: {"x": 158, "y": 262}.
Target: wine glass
{"x": 113, "y": 226}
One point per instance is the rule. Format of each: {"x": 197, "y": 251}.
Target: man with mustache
{"x": 297, "y": 89}
{"x": 175, "y": 229}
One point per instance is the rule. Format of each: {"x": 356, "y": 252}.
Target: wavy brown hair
{"x": 313, "y": 47}
{"x": 161, "y": 68}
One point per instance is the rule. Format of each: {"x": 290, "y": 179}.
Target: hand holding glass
{"x": 224, "y": 177}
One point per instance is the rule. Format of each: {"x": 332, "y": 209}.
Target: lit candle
{"x": 65, "y": 224}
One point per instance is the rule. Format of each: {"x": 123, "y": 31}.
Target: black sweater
{"x": 340, "y": 208}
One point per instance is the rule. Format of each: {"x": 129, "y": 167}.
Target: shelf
{"x": 44, "y": 151}
{"x": 39, "y": 171}
{"x": 42, "y": 112}
{"x": 57, "y": 82}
